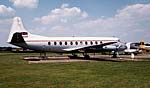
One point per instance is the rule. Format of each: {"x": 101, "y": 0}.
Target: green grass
{"x": 17, "y": 73}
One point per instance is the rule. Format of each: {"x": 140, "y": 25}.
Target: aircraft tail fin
{"x": 17, "y": 27}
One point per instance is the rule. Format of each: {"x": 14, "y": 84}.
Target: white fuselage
{"x": 62, "y": 44}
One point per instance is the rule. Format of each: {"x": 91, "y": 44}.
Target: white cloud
{"x": 25, "y": 3}
{"x": 6, "y": 11}
{"x": 63, "y": 14}
{"x": 129, "y": 16}
{"x": 131, "y": 23}
{"x": 125, "y": 22}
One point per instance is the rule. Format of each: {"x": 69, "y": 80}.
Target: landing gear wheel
{"x": 43, "y": 55}
{"x": 86, "y": 57}
{"x": 114, "y": 55}
{"x": 74, "y": 56}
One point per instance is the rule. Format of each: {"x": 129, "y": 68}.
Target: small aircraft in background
{"x": 124, "y": 48}
{"x": 137, "y": 47}
{"x": 19, "y": 36}
{"x": 132, "y": 48}
{"x": 144, "y": 47}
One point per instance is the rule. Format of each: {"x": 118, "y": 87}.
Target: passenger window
{"x": 49, "y": 43}
{"x": 60, "y": 43}
{"x": 65, "y": 43}
{"x": 71, "y": 43}
{"x": 86, "y": 42}
{"x": 81, "y": 42}
{"x": 101, "y": 42}
{"x": 76, "y": 43}
{"x": 55, "y": 43}
{"x": 91, "y": 43}
{"x": 96, "y": 42}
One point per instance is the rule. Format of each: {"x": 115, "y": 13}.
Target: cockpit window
{"x": 141, "y": 43}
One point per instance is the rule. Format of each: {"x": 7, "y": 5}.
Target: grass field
{"x": 17, "y": 73}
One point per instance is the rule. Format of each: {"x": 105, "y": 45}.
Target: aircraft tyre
{"x": 86, "y": 57}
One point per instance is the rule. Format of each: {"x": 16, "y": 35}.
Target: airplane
{"x": 116, "y": 47}
{"x": 19, "y": 36}
{"x": 124, "y": 48}
{"x": 144, "y": 46}
{"x": 132, "y": 48}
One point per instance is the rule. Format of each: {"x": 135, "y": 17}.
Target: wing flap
{"x": 73, "y": 49}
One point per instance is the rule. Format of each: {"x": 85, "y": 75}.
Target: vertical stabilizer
{"x": 17, "y": 27}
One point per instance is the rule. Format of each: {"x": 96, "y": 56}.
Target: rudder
{"x": 17, "y": 27}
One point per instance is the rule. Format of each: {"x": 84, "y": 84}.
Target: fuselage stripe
{"x": 68, "y": 40}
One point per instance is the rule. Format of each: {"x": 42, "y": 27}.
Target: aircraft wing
{"x": 90, "y": 47}
{"x": 73, "y": 49}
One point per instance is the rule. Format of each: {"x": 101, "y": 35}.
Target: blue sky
{"x": 127, "y": 19}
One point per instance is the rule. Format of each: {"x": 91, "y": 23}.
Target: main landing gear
{"x": 86, "y": 56}
{"x": 74, "y": 56}
{"x": 43, "y": 55}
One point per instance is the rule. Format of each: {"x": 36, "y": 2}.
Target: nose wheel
{"x": 115, "y": 54}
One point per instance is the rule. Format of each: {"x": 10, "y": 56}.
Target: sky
{"x": 128, "y": 20}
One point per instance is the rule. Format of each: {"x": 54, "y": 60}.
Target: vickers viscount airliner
{"x": 19, "y": 36}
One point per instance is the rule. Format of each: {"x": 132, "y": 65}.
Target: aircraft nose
{"x": 133, "y": 46}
